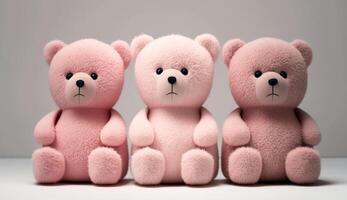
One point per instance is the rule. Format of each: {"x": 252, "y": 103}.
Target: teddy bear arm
{"x": 141, "y": 132}
{"x": 114, "y": 132}
{"x": 206, "y": 131}
{"x": 310, "y": 130}
{"x": 44, "y": 131}
{"x": 235, "y": 130}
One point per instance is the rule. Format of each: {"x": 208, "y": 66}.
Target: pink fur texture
{"x": 268, "y": 138}
{"x": 85, "y": 140}
{"x": 174, "y": 139}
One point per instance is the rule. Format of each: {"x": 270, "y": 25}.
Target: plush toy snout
{"x": 80, "y": 89}
{"x": 171, "y": 85}
{"x": 271, "y": 88}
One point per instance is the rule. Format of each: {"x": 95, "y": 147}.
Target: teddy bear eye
{"x": 159, "y": 70}
{"x": 184, "y": 71}
{"x": 257, "y": 74}
{"x": 94, "y": 76}
{"x": 283, "y": 74}
{"x": 68, "y": 75}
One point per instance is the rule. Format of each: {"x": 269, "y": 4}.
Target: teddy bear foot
{"x": 48, "y": 165}
{"x": 197, "y": 167}
{"x": 148, "y": 166}
{"x": 104, "y": 166}
{"x": 303, "y": 165}
{"x": 245, "y": 166}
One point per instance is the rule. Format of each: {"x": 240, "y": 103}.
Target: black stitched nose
{"x": 171, "y": 80}
{"x": 273, "y": 82}
{"x": 80, "y": 83}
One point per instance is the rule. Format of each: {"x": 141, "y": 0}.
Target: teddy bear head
{"x": 86, "y": 73}
{"x": 174, "y": 71}
{"x": 267, "y": 71}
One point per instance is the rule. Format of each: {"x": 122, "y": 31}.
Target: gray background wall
{"x": 26, "y": 26}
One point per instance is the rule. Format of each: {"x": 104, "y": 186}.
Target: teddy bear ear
{"x": 138, "y": 43}
{"x": 230, "y": 48}
{"x": 123, "y": 50}
{"x": 51, "y": 49}
{"x": 305, "y": 50}
{"x": 211, "y": 43}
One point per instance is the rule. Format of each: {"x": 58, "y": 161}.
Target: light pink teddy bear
{"x": 268, "y": 138}
{"x": 85, "y": 139}
{"x": 174, "y": 139}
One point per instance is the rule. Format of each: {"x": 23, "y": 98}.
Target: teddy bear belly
{"x": 173, "y": 138}
{"x": 173, "y": 144}
{"x": 274, "y": 140}
{"x": 76, "y": 137}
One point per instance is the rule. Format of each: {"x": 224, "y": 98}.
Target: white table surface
{"x": 17, "y": 182}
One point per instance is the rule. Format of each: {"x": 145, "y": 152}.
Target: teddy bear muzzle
{"x": 271, "y": 89}
{"x": 80, "y": 89}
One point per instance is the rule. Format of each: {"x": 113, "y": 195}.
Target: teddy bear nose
{"x": 171, "y": 80}
{"x": 273, "y": 82}
{"x": 80, "y": 83}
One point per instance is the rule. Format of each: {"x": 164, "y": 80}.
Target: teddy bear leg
{"x": 303, "y": 165}
{"x": 48, "y": 165}
{"x": 197, "y": 167}
{"x": 245, "y": 165}
{"x": 104, "y": 166}
{"x": 148, "y": 166}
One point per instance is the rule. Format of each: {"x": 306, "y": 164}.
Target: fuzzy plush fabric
{"x": 86, "y": 79}
{"x": 104, "y": 166}
{"x": 268, "y": 79}
{"x": 141, "y": 129}
{"x": 172, "y": 53}
{"x": 245, "y": 165}
{"x": 174, "y": 139}
{"x": 45, "y": 130}
{"x": 197, "y": 167}
{"x": 148, "y": 165}
{"x": 48, "y": 165}
{"x": 303, "y": 165}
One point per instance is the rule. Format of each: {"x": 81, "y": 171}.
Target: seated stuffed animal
{"x": 85, "y": 140}
{"x": 268, "y": 138}
{"x": 174, "y": 139}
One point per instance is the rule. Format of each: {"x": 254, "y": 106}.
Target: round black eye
{"x": 283, "y": 74}
{"x": 94, "y": 76}
{"x": 184, "y": 71}
{"x": 257, "y": 74}
{"x": 68, "y": 75}
{"x": 159, "y": 70}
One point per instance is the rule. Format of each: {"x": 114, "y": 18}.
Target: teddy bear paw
{"x": 197, "y": 167}
{"x": 48, "y": 165}
{"x": 148, "y": 166}
{"x": 104, "y": 166}
{"x": 245, "y": 166}
{"x": 303, "y": 165}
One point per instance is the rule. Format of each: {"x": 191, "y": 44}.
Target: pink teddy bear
{"x": 268, "y": 138}
{"x": 174, "y": 139}
{"x": 85, "y": 140}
